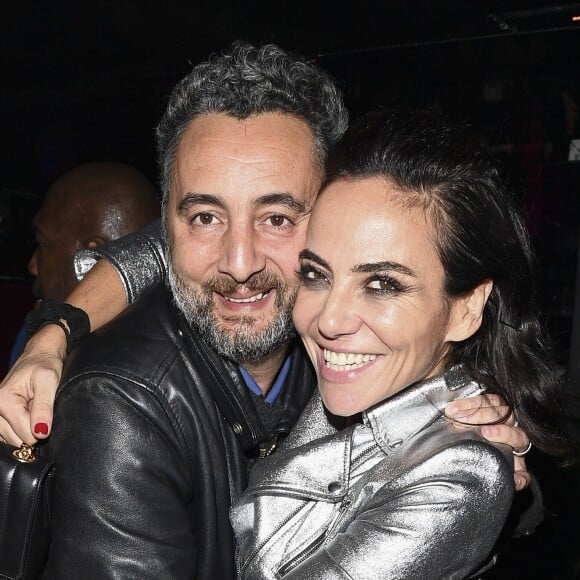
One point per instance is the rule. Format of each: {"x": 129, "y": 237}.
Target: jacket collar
{"x": 231, "y": 394}
{"x": 313, "y": 461}
{"x": 316, "y": 441}
{"x": 408, "y": 412}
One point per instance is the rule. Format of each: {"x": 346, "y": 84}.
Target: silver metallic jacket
{"x": 139, "y": 258}
{"x": 404, "y": 495}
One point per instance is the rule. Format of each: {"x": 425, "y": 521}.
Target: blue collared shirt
{"x": 276, "y": 388}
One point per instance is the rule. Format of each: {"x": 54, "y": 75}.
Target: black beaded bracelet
{"x": 74, "y": 321}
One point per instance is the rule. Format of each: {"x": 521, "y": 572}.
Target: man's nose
{"x": 33, "y": 264}
{"x": 242, "y": 254}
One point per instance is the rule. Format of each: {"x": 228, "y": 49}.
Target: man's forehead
{"x": 259, "y": 136}
{"x": 48, "y": 214}
{"x": 268, "y": 153}
{"x": 60, "y": 208}
{"x": 50, "y": 225}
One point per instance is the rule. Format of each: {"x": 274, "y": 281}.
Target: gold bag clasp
{"x": 25, "y": 454}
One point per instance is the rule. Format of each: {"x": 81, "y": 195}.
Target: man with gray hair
{"x": 160, "y": 413}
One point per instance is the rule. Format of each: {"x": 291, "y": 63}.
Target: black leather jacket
{"x": 151, "y": 439}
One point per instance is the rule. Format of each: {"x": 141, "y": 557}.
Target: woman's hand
{"x": 486, "y": 409}
{"x": 28, "y": 391}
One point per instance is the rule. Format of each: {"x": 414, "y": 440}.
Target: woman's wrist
{"x": 73, "y": 321}
{"x": 50, "y": 339}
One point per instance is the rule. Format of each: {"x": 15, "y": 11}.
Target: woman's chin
{"x": 340, "y": 404}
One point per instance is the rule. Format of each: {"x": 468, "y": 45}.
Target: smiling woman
{"x": 378, "y": 294}
{"x": 411, "y": 298}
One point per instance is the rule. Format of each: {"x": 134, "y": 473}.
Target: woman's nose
{"x": 338, "y": 316}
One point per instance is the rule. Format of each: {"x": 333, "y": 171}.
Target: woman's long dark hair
{"x": 442, "y": 168}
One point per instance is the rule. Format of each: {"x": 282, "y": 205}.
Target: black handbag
{"x": 25, "y": 497}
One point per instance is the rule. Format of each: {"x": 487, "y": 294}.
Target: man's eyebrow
{"x": 281, "y": 199}
{"x": 191, "y": 199}
{"x": 372, "y": 267}
{"x": 310, "y": 255}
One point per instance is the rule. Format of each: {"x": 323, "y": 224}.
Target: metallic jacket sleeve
{"x": 420, "y": 525}
{"x": 139, "y": 259}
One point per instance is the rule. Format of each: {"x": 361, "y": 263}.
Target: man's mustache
{"x": 261, "y": 281}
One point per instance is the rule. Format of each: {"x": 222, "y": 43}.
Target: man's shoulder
{"x": 144, "y": 341}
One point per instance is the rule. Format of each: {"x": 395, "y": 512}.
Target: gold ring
{"x": 524, "y": 452}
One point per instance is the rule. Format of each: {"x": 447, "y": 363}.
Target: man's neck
{"x": 265, "y": 370}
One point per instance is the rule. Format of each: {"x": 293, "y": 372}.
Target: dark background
{"x": 87, "y": 81}
{"x": 84, "y": 80}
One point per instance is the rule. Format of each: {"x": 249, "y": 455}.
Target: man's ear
{"x": 467, "y": 312}
{"x": 94, "y": 242}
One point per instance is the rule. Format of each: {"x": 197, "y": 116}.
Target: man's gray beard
{"x": 242, "y": 345}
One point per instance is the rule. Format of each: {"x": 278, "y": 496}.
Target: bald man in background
{"x": 86, "y": 207}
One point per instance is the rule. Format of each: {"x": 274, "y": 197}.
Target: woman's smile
{"x": 340, "y": 367}
{"x": 372, "y": 309}
{"x": 342, "y": 361}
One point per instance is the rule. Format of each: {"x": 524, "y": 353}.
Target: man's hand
{"x": 27, "y": 393}
{"x": 486, "y": 409}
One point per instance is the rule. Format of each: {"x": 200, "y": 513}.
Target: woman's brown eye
{"x": 384, "y": 285}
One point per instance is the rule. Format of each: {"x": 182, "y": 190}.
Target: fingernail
{"x": 41, "y": 428}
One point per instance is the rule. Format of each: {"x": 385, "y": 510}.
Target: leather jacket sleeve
{"x": 139, "y": 259}
{"x": 120, "y": 507}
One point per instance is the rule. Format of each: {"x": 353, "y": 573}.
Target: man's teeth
{"x": 246, "y": 300}
{"x": 343, "y": 361}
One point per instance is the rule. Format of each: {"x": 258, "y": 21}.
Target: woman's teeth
{"x": 343, "y": 361}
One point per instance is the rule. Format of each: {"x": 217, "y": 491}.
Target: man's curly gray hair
{"x": 247, "y": 81}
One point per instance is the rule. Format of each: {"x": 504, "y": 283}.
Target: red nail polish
{"x": 41, "y": 428}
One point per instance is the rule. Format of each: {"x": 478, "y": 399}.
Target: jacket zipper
{"x": 257, "y": 549}
{"x": 318, "y": 541}
{"x": 268, "y": 447}
{"x": 299, "y": 558}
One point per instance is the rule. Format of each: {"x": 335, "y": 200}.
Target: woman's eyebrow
{"x": 369, "y": 268}
{"x": 310, "y": 255}
{"x": 372, "y": 267}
